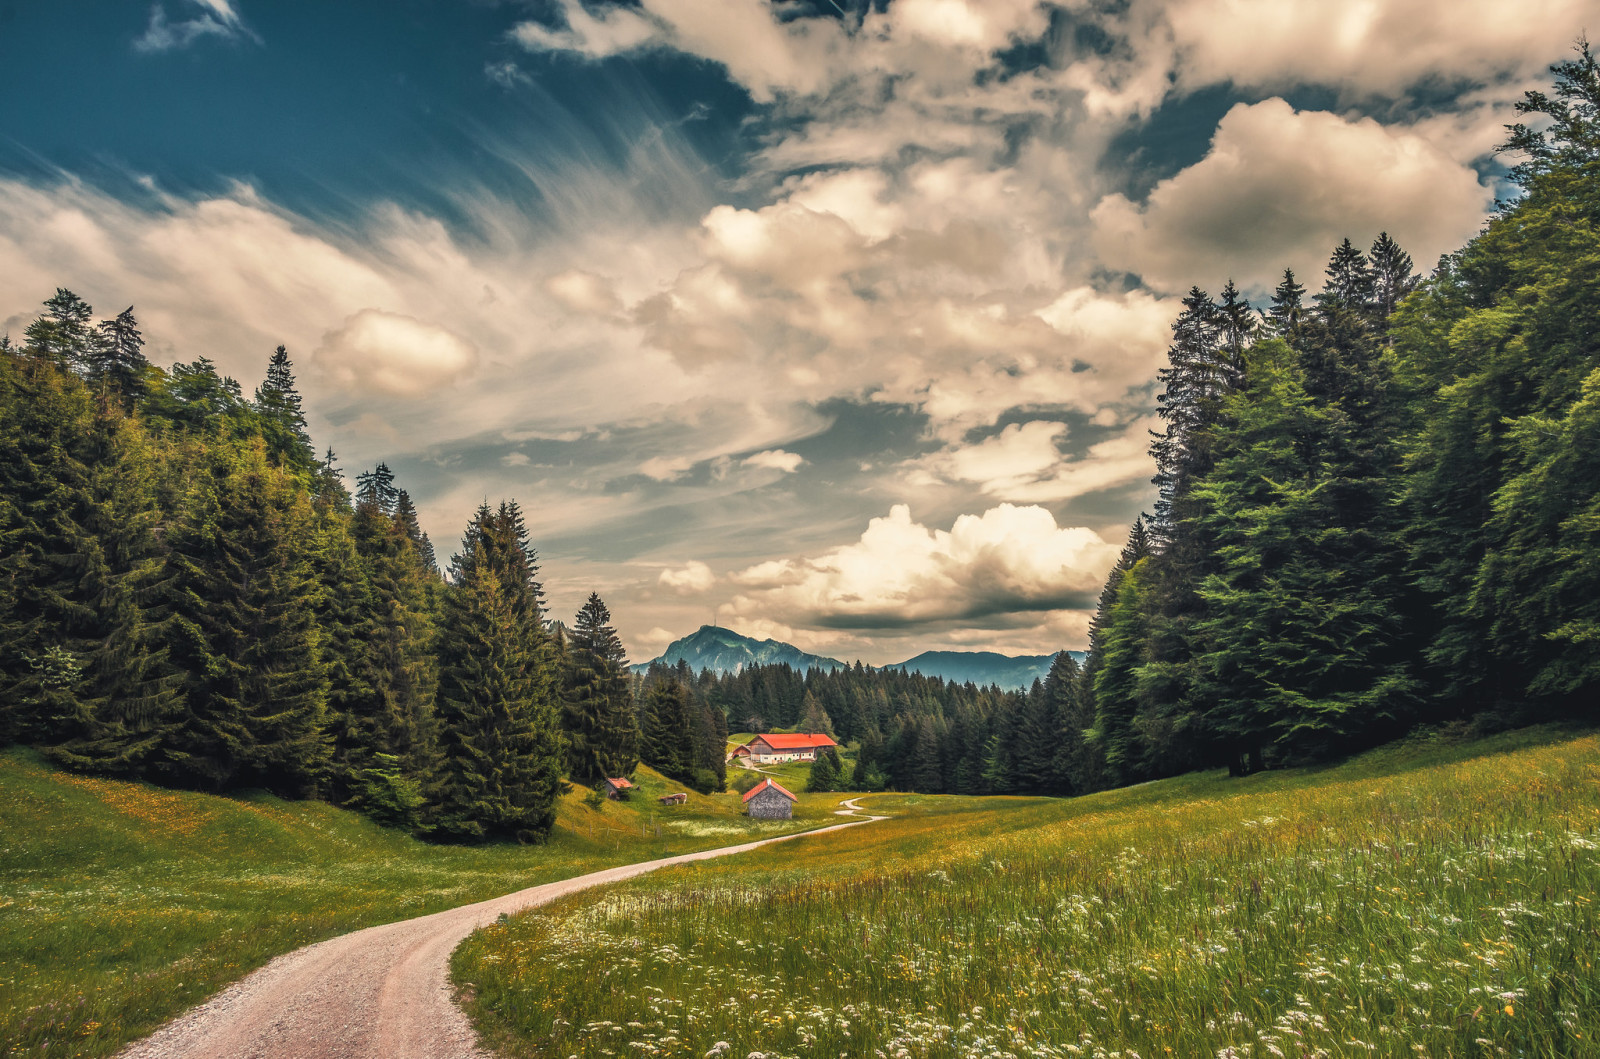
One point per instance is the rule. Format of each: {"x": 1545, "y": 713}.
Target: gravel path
{"x": 379, "y": 993}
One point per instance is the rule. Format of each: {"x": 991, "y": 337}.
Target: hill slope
{"x": 122, "y": 904}
{"x": 725, "y": 651}
{"x": 1420, "y": 900}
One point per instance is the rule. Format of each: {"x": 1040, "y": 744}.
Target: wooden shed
{"x": 769, "y": 801}
{"x": 616, "y": 789}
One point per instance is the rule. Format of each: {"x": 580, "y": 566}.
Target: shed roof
{"x": 619, "y": 783}
{"x": 793, "y": 741}
{"x": 763, "y": 785}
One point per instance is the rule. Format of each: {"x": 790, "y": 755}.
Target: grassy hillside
{"x": 1422, "y": 900}
{"x": 122, "y": 904}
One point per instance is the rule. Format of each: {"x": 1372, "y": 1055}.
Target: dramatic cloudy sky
{"x": 833, "y": 322}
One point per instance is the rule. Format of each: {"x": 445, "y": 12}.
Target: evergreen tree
{"x": 63, "y": 336}
{"x": 282, "y": 419}
{"x": 666, "y": 742}
{"x": 1392, "y": 276}
{"x": 1350, "y": 283}
{"x": 502, "y": 750}
{"x": 1288, "y": 306}
{"x": 598, "y": 716}
{"x": 825, "y": 771}
{"x": 243, "y": 632}
{"x": 115, "y": 359}
{"x": 814, "y": 720}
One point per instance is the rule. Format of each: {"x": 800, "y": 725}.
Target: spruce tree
{"x": 666, "y": 742}
{"x": 825, "y": 771}
{"x": 1288, "y": 306}
{"x": 282, "y": 419}
{"x": 598, "y": 717}
{"x": 243, "y": 631}
{"x": 502, "y": 751}
{"x": 116, "y": 365}
{"x": 63, "y": 336}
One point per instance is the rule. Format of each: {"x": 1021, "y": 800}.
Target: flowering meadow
{"x": 122, "y": 904}
{"x": 1423, "y": 900}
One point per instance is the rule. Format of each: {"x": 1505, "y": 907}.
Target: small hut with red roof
{"x": 769, "y": 801}
{"x": 616, "y": 788}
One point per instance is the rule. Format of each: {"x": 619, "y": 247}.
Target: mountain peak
{"x": 723, "y": 650}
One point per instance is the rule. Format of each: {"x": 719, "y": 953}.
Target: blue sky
{"x": 835, "y": 326}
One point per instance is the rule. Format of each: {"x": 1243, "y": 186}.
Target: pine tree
{"x": 116, "y": 365}
{"x": 282, "y": 418}
{"x": 814, "y": 720}
{"x": 501, "y": 744}
{"x": 1350, "y": 283}
{"x": 243, "y": 631}
{"x": 1288, "y": 306}
{"x": 63, "y": 335}
{"x": 598, "y": 717}
{"x": 1392, "y": 276}
{"x": 825, "y": 771}
{"x": 665, "y": 739}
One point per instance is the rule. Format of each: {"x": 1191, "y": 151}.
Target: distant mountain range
{"x": 981, "y": 667}
{"x": 726, "y": 651}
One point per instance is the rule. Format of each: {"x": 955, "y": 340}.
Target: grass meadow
{"x": 1426, "y": 899}
{"x": 122, "y": 904}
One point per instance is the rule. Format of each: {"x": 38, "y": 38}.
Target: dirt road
{"x": 379, "y": 993}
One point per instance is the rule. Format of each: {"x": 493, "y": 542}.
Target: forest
{"x": 1379, "y": 507}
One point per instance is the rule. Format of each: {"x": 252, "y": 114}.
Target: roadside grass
{"x": 1433, "y": 898}
{"x": 123, "y": 904}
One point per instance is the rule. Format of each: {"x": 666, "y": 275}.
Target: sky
{"x": 833, "y": 322}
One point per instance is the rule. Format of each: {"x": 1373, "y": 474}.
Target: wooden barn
{"x": 769, "y": 801}
{"x": 616, "y": 789}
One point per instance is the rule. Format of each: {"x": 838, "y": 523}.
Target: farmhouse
{"x": 616, "y": 789}
{"x": 769, "y": 801}
{"x": 785, "y": 746}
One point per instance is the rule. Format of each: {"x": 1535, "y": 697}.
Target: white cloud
{"x": 394, "y": 354}
{"x": 1373, "y": 46}
{"x": 693, "y": 579}
{"x": 1008, "y": 560}
{"x": 584, "y": 292}
{"x": 1279, "y": 188}
{"x": 214, "y": 18}
{"x": 608, "y": 31}
{"x": 775, "y": 460}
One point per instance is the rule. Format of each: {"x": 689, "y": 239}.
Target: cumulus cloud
{"x": 394, "y": 354}
{"x": 1378, "y": 46}
{"x": 775, "y": 460}
{"x": 208, "y": 18}
{"x": 584, "y": 292}
{"x": 1279, "y": 188}
{"x": 1008, "y": 560}
{"x": 693, "y": 579}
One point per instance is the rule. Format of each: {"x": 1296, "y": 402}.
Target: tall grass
{"x": 1438, "y": 904}
{"x": 123, "y": 904}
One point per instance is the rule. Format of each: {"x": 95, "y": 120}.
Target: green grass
{"x": 1427, "y": 899}
{"x": 123, "y": 904}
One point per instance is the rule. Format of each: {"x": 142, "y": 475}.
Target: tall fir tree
{"x": 115, "y": 361}
{"x": 598, "y": 716}
{"x": 502, "y": 751}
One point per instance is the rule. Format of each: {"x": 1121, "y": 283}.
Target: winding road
{"x": 379, "y": 993}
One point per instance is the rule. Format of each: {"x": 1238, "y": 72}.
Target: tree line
{"x": 1380, "y": 505}
{"x": 189, "y": 596}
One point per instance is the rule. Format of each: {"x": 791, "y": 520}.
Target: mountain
{"x": 727, "y": 652}
{"x": 981, "y": 667}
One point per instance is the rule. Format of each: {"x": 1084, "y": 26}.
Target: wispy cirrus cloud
{"x": 205, "y": 18}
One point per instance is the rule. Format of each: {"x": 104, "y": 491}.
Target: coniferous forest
{"x": 1379, "y": 507}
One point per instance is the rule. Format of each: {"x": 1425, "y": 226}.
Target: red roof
{"x": 619, "y": 784}
{"x": 763, "y": 785}
{"x": 793, "y": 741}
